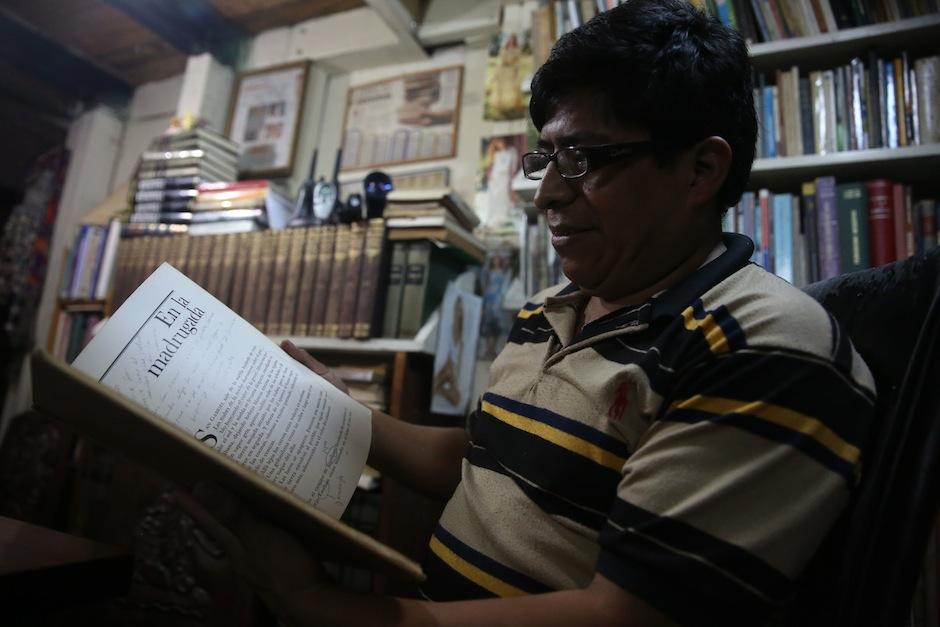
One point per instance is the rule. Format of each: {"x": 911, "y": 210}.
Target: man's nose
{"x": 553, "y": 191}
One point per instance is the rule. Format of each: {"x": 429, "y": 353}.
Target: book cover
{"x": 882, "y": 242}
{"x": 307, "y": 281}
{"x": 371, "y": 289}
{"x": 827, "y": 228}
{"x": 350, "y": 293}
{"x": 393, "y": 295}
{"x": 321, "y": 292}
{"x": 334, "y": 298}
{"x": 166, "y": 383}
{"x": 852, "y": 204}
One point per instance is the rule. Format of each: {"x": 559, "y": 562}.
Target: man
{"x": 667, "y": 439}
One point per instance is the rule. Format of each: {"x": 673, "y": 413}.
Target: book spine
{"x": 841, "y": 110}
{"x": 337, "y": 281}
{"x": 928, "y": 225}
{"x": 808, "y": 204}
{"x": 239, "y": 270}
{"x": 214, "y": 273}
{"x": 899, "y": 218}
{"x": 783, "y": 236}
{"x": 769, "y": 144}
{"x": 928, "y": 98}
{"x": 393, "y": 297}
{"x": 321, "y": 292}
{"x": 899, "y": 80}
{"x": 852, "y": 206}
{"x": 415, "y": 288}
{"x": 827, "y": 227}
{"x": 278, "y": 274}
{"x": 227, "y": 271}
{"x": 308, "y": 278}
{"x": 371, "y": 291}
{"x": 262, "y": 288}
{"x": 873, "y": 82}
{"x": 806, "y": 117}
{"x": 353, "y": 276}
{"x": 295, "y": 258}
{"x": 881, "y": 222}
{"x": 800, "y": 254}
{"x": 252, "y": 274}
{"x": 766, "y": 243}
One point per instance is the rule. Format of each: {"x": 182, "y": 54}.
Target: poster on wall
{"x": 402, "y": 120}
{"x": 265, "y": 118}
{"x": 454, "y": 358}
{"x": 509, "y": 64}
{"x": 500, "y": 162}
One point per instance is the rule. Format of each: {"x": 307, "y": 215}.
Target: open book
{"x": 179, "y": 382}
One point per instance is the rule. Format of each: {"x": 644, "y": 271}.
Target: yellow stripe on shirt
{"x": 480, "y": 577}
{"x": 778, "y": 415}
{"x": 717, "y": 342}
{"x": 528, "y": 313}
{"x": 556, "y": 436}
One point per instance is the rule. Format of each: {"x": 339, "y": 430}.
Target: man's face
{"x": 622, "y": 227}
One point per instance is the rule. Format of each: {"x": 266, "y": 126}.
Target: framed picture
{"x": 265, "y": 116}
{"x": 402, "y": 120}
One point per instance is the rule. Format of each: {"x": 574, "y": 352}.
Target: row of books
{"x": 325, "y": 281}
{"x": 832, "y": 228}
{"x": 884, "y": 103}
{"x": 90, "y": 263}
{"x": 772, "y": 20}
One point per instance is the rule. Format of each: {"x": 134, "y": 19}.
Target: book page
{"x": 178, "y": 351}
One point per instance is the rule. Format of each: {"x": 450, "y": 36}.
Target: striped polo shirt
{"x": 694, "y": 449}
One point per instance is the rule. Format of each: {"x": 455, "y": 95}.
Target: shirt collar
{"x": 667, "y": 304}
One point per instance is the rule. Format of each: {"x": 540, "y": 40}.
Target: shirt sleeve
{"x": 735, "y": 484}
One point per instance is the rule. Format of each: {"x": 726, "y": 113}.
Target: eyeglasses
{"x": 576, "y": 161}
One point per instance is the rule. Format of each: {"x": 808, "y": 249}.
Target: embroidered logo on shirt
{"x": 621, "y": 398}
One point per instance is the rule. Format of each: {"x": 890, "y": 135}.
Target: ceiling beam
{"x": 66, "y": 70}
{"x": 190, "y": 26}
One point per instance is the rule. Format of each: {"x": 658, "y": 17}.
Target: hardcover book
{"x": 178, "y": 382}
{"x": 308, "y": 279}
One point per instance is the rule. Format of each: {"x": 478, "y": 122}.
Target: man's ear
{"x": 711, "y": 159}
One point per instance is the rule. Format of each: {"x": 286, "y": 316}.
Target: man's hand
{"x": 270, "y": 559}
{"x": 307, "y": 359}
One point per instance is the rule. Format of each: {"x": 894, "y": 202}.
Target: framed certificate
{"x": 265, "y": 117}
{"x": 402, "y": 120}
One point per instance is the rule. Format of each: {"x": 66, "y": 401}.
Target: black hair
{"x": 666, "y": 67}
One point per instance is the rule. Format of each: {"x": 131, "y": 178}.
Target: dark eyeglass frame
{"x": 595, "y": 157}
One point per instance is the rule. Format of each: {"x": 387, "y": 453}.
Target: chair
{"x": 867, "y": 568}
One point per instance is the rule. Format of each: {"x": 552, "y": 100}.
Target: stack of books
{"x": 439, "y": 214}
{"x": 171, "y": 171}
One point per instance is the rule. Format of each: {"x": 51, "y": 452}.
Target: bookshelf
{"x": 915, "y": 164}
{"x": 917, "y": 34}
{"x": 424, "y": 342}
